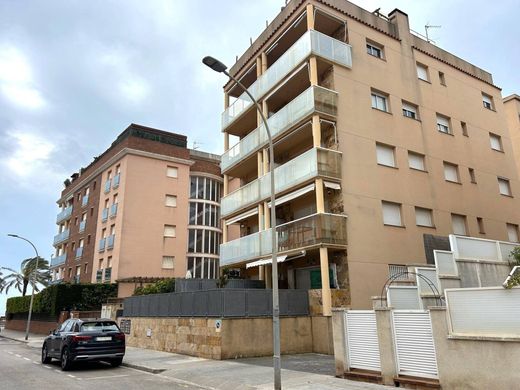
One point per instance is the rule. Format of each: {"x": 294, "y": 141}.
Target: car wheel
{"x": 116, "y": 362}
{"x": 45, "y": 355}
{"x": 66, "y": 363}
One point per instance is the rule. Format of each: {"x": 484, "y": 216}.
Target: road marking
{"x": 104, "y": 377}
{"x": 171, "y": 379}
{"x": 27, "y": 359}
{"x": 9, "y": 352}
{"x": 72, "y": 376}
{"x": 33, "y": 362}
{"x": 17, "y": 355}
{"x": 50, "y": 368}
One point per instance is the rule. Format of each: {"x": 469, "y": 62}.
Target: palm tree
{"x": 20, "y": 280}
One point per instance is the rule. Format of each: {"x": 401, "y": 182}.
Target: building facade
{"x": 512, "y": 109}
{"x": 126, "y": 217}
{"x": 384, "y": 145}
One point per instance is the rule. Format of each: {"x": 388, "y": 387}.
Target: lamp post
{"x": 219, "y": 67}
{"x": 33, "y": 283}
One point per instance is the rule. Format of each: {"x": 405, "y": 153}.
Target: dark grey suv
{"x": 85, "y": 340}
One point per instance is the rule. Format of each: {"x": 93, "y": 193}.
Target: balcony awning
{"x": 334, "y": 186}
{"x": 242, "y": 216}
{"x": 279, "y": 259}
{"x": 293, "y": 195}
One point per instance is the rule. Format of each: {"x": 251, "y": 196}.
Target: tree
{"x": 20, "y": 280}
{"x": 514, "y": 280}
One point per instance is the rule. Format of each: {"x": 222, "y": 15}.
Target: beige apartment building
{"x": 384, "y": 145}
{"x": 147, "y": 208}
{"x": 512, "y": 109}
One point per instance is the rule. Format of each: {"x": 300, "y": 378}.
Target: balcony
{"x": 64, "y": 214}
{"x": 117, "y": 178}
{"x": 110, "y": 241}
{"x": 102, "y": 244}
{"x": 104, "y": 215}
{"x": 79, "y": 252}
{"x": 312, "y": 231}
{"x": 107, "y": 185}
{"x": 55, "y": 281}
{"x": 108, "y": 274}
{"x": 84, "y": 201}
{"x": 113, "y": 210}
{"x": 311, "y": 43}
{"x": 82, "y": 226}
{"x": 317, "y": 162}
{"x": 313, "y": 99}
{"x": 58, "y": 260}
{"x": 60, "y": 237}
{"x": 99, "y": 276}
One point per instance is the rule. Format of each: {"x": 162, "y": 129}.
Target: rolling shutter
{"x": 362, "y": 340}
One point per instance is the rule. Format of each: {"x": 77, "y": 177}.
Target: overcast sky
{"x": 74, "y": 74}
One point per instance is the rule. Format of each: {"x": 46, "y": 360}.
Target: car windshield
{"x": 99, "y": 326}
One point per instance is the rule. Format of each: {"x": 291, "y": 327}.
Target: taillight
{"x": 119, "y": 336}
{"x": 78, "y": 339}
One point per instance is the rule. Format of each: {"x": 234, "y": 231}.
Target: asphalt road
{"x": 21, "y": 369}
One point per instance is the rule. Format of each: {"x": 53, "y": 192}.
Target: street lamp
{"x": 219, "y": 67}
{"x": 33, "y": 283}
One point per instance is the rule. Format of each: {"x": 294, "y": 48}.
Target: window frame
{"x": 441, "y": 126}
{"x": 414, "y": 111}
{"x": 380, "y": 147}
{"x": 374, "y": 95}
{"x": 508, "y": 183}
{"x": 399, "y": 208}
{"x": 488, "y": 101}
{"x": 498, "y": 138}
{"x": 371, "y": 45}
{"x": 426, "y": 71}
{"x": 446, "y": 164}
{"x": 430, "y": 212}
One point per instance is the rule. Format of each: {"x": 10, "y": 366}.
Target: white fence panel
{"x": 474, "y": 248}
{"x": 428, "y": 275}
{"x": 506, "y": 248}
{"x": 404, "y": 297}
{"x": 362, "y": 340}
{"x": 445, "y": 263}
{"x": 414, "y": 345}
{"x": 488, "y": 311}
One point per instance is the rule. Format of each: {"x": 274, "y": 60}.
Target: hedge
{"x": 58, "y": 297}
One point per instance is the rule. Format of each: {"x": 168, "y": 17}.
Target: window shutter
{"x": 172, "y": 172}
{"x": 423, "y": 217}
{"x": 512, "y": 232}
{"x": 169, "y": 231}
{"x": 385, "y": 155}
{"x": 451, "y": 172}
{"x": 503, "y": 185}
{"x": 171, "y": 201}
{"x": 441, "y": 120}
{"x": 168, "y": 262}
{"x": 416, "y": 161}
{"x": 495, "y": 142}
{"x": 409, "y": 107}
{"x": 392, "y": 214}
{"x": 459, "y": 224}
{"x": 422, "y": 72}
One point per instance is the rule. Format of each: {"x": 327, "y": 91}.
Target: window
{"x": 86, "y": 268}
{"x": 512, "y": 232}
{"x": 109, "y": 261}
{"x": 487, "y": 101}
{"x": 504, "y": 186}
{"x": 480, "y": 223}
{"x": 100, "y": 264}
{"x": 472, "y": 178}
{"x": 464, "y": 129}
{"x": 167, "y": 262}
{"x": 496, "y": 142}
{"x": 442, "y": 79}
{"x": 169, "y": 231}
{"x": 379, "y": 101}
{"x": 171, "y": 201}
{"x": 443, "y": 124}
{"x": 458, "y": 223}
{"x": 172, "y": 171}
{"x": 385, "y": 155}
{"x": 451, "y": 172}
{"x": 392, "y": 214}
{"x": 423, "y": 217}
{"x": 374, "y": 49}
{"x": 422, "y": 72}
{"x": 410, "y": 110}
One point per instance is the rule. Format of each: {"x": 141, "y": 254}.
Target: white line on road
{"x": 27, "y": 359}
{"x": 9, "y": 352}
{"x": 33, "y": 362}
{"x": 104, "y": 377}
{"x": 17, "y": 355}
{"x": 72, "y": 376}
{"x": 50, "y": 368}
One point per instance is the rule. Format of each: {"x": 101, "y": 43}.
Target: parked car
{"x": 79, "y": 340}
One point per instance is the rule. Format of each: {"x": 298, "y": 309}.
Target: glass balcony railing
{"x": 60, "y": 237}
{"x": 314, "y": 230}
{"x": 64, "y": 214}
{"x": 104, "y": 215}
{"x": 113, "y": 210}
{"x": 313, "y": 99}
{"x": 58, "y": 260}
{"x": 82, "y": 226}
{"x": 102, "y": 244}
{"x": 314, "y": 163}
{"x": 312, "y": 42}
{"x": 79, "y": 252}
{"x": 117, "y": 178}
{"x": 107, "y": 185}
{"x": 84, "y": 201}
{"x": 108, "y": 274}
{"x": 56, "y": 281}
{"x": 110, "y": 241}
{"x": 99, "y": 276}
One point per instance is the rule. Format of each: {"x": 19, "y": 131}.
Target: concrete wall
{"x": 236, "y": 337}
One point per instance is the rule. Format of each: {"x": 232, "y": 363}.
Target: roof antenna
{"x": 426, "y": 28}
{"x": 196, "y": 145}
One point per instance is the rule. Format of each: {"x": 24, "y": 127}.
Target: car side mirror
{"x": 53, "y": 332}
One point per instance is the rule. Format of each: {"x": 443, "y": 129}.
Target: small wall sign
{"x": 218, "y": 325}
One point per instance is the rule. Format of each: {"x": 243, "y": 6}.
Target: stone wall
{"x": 229, "y": 338}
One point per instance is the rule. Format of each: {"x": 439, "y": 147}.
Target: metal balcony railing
{"x": 58, "y": 260}
{"x": 82, "y": 226}
{"x": 84, "y": 201}
{"x": 107, "y": 185}
{"x": 310, "y": 43}
{"x": 60, "y": 237}
{"x": 117, "y": 178}
{"x": 104, "y": 215}
{"x": 113, "y": 210}
{"x": 79, "y": 252}
{"x": 64, "y": 214}
{"x": 102, "y": 244}
{"x": 110, "y": 241}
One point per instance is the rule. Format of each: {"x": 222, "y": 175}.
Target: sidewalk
{"x": 302, "y": 372}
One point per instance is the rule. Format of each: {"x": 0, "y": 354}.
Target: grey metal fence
{"x": 217, "y": 303}
{"x": 188, "y": 285}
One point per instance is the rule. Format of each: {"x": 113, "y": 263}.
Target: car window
{"x": 69, "y": 326}
{"x": 64, "y": 325}
{"x": 75, "y": 327}
{"x": 99, "y": 326}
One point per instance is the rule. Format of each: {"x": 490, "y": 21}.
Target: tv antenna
{"x": 426, "y": 28}
{"x": 196, "y": 145}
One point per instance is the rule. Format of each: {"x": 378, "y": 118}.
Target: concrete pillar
{"x": 316, "y": 131}
{"x": 267, "y": 216}
{"x": 224, "y": 231}
{"x": 386, "y": 345}
{"x": 226, "y": 185}
{"x": 261, "y": 272}
{"x": 313, "y": 70}
{"x": 310, "y": 17}
{"x": 226, "y": 142}
{"x": 226, "y": 100}
{"x": 268, "y": 277}
{"x": 320, "y": 196}
{"x": 264, "y": 62}
{"x": 259, "y": 66}
{"x": 325, "y": 282}
{"x": 265, "y": 160}
{"x": 338, "y": 341}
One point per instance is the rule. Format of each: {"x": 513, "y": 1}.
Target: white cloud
{"x": 16, "y": 79}
{"x": 30, "y": 156}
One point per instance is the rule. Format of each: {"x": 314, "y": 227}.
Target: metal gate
{"x": 413, "y": 341}
{"x": 362, "y": 341}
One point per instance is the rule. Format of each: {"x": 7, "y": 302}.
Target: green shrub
{"x": 159, "y": 287}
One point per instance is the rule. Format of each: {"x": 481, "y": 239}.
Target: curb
{"x": 12, "y": 338}
{"x": 143, "y": 368}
